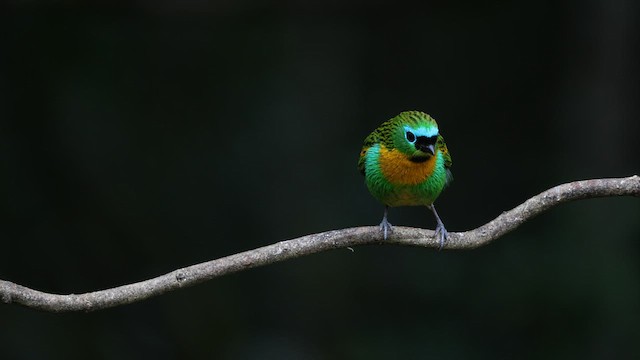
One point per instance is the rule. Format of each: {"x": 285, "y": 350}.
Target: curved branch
{"x": 314, "y": 243}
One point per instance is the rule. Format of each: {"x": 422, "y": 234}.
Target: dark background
{"x": 140, "y": 137}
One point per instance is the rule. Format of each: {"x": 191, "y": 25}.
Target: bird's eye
{"x": 410, "y": 136}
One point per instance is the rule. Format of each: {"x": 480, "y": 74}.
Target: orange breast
{"x": 398, "y": 169}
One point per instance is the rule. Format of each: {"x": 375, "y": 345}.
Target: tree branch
{"x": 314, "y": 243}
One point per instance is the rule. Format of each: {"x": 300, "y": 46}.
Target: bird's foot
{"x": 441, "y": 235}
{"x": 386, "y": 227}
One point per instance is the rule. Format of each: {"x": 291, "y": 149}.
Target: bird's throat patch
{"x": 397, "y": 168}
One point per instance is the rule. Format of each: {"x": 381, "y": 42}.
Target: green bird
{"x": 405, "y": 162}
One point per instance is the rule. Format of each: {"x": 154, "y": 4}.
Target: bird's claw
{"x": 386, "y": 227}
{"x": 442, "y": 235}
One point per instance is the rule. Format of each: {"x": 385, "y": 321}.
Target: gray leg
{"x": 385, "y": 226}
{"x": 441, "y": 232}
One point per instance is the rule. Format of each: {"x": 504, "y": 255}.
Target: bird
{"x": 405, "y": 162}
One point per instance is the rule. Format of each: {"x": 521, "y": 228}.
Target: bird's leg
{"x": 385, "y": 226}
{"x": 441, "y": 232}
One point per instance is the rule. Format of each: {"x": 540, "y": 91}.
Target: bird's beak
{"x": 425, "y": 145}
{"x": 424, "y": 152}
{"x": 427, "y": 149}
{"x": 431, "y": 149}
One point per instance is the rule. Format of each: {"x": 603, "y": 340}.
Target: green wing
{"x": 368, "y": 142}
{"x": 380, "y": 135}
{"x": 363, "y": 153}
{"x": 447, "y": 158}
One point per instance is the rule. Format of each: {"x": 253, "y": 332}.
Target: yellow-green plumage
{"x": 406, "y": 162}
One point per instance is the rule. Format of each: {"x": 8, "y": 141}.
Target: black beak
{"x": 426, "y": 144}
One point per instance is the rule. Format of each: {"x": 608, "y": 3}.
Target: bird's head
{"x": 415, "y": 134}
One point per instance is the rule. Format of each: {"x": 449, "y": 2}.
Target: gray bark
{"x": 314, "y": 243}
